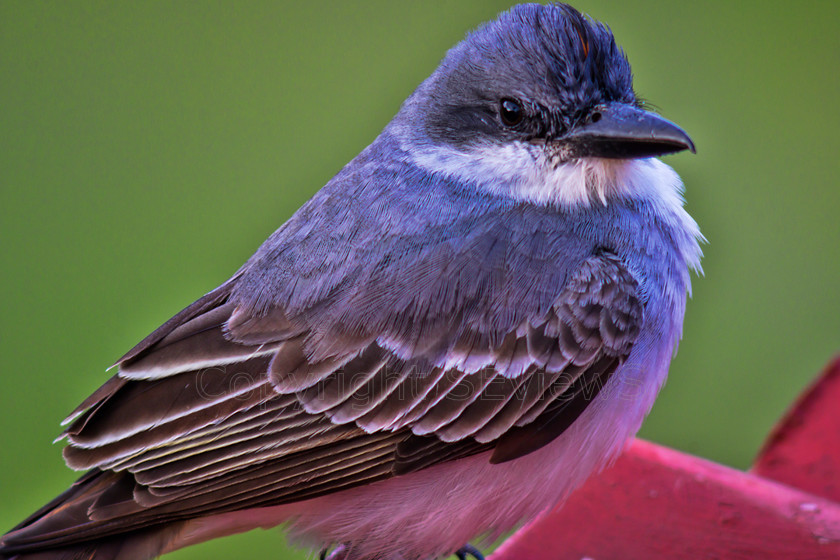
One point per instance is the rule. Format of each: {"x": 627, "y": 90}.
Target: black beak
{"x": 618, "y": 130}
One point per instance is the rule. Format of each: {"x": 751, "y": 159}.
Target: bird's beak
{"x": 618, "y": 130}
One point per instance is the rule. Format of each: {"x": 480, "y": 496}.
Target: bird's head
{"x": 542, "y": 98}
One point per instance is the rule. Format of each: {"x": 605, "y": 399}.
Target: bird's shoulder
{"x": 393, "y": 236}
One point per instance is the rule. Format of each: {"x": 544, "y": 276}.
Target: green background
{"x": 146, "y": 149}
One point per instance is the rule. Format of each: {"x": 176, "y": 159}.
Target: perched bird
{"x": 471, "y": 317}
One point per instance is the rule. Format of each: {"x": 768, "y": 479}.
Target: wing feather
{"x": 459, "y": 397}
{"x": 412, "y": 389}
{"x": 223, "y": 409}
{"x": 245, "y": 419}
{"x": 495, "y": 396}
{"x": 139, "y": 406}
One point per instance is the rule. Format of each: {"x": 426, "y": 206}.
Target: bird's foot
{"x": 338, "y": 553}
{"x": 341, "y": 552}
{"x": 469, "y": 550}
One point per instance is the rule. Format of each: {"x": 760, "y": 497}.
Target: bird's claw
{"x": 469, "y": 550}
{"x": 338, "y": 553}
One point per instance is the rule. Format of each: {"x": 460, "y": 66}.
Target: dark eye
{"x": 511, "y": 112}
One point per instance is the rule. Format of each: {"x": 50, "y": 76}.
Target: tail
{"x": 140, "y": 545}
{"x": 63, "y": 530}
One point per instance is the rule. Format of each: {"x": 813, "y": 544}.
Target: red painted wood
{"x": 803, "y": 450}
{"x": 657, "y": 503}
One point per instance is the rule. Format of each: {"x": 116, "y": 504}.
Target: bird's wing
{"x": 219, "y": 410}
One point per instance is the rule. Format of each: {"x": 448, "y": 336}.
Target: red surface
{"x": 657, "y": 503}
{"x": 803, "y": 450}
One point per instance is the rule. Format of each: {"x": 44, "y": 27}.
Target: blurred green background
{"x": 146, "y": 149}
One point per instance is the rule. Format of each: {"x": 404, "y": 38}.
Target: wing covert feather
{"x": 296, "y": 422}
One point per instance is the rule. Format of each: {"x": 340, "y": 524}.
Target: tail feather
{"x": 138, "y": 545}
{"x": 54, "y": 503}
{"x": 63, "y": 530}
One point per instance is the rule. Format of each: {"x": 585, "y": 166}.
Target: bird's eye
{"x": 511, "y": 112}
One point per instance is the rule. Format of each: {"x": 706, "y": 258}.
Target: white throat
{"x": 526, "y": 172}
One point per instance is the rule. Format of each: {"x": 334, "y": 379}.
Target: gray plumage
{"x": 416, "y": 311}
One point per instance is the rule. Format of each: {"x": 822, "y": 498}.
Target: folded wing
{"x": 224, "y": 409}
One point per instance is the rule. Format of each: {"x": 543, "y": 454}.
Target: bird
{"x": 469, "y": 319}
